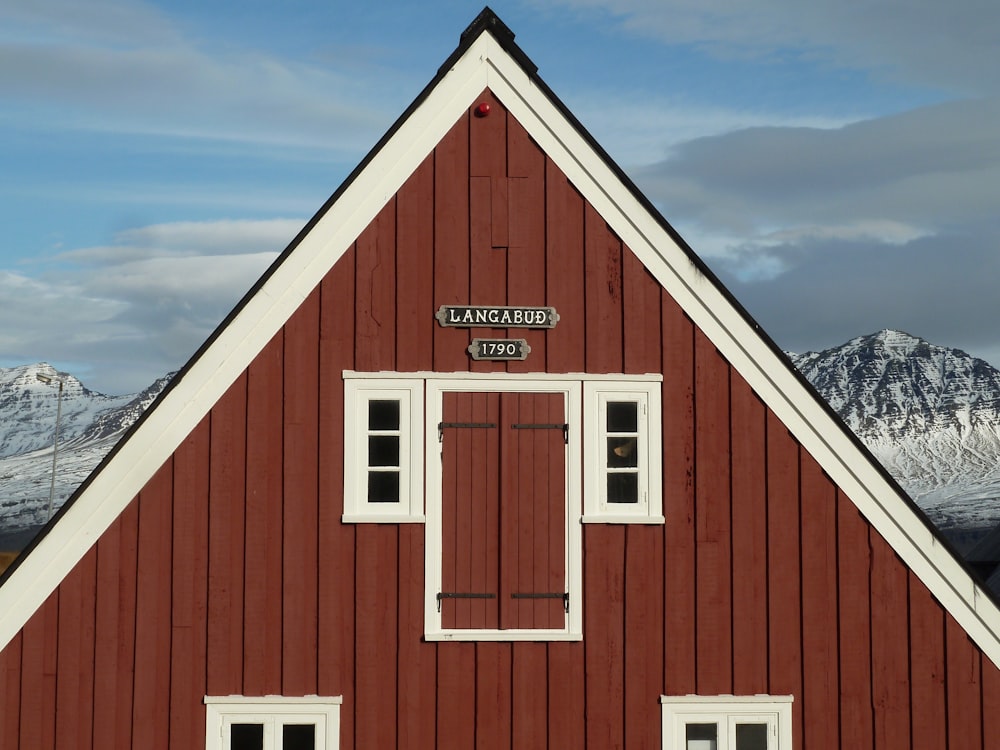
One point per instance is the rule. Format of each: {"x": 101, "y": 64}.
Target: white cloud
{"x": 886, "y": 231}
{"x": 179, "y": 280}
{"x": 766, "y": 255}
{"x": 924, "y": 42}
{"x": 191, "y": 238}
{"x": 896, "y": 177}
{"x": 127, "y": 69}
{"x": 828, "y": 233}
{"x": 38, "y": 312}
{"x": 111, "y": 21}
{"x": 941, "y": 288}
{"x": 141, "y": 306}
{"x": 638, "y": 127}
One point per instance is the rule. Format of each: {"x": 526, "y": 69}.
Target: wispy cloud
{"x": 187, "y": 239}
{"x": 951, "y": 46}
{"x": 825, "y": 234}
{"x": 941, "y": 288}
{"x": 128, "y": 69}
{"x": 638, "y": 128}
{"x": 894, "y": 178}
{"x": 140, "y": 305}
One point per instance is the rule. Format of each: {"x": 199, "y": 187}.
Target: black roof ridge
{"x": 489, "y": 22}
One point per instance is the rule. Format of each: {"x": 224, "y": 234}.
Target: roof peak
{"x": 487, "y": 20}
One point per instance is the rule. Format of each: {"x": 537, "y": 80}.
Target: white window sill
{"x": 623, "y": 518}
{"x": 503, "y": 635}
{"x": 380, "y": 518}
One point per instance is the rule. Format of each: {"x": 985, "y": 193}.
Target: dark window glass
{"x": 623, "y": 488}
{"x": 751, "y": 737}
{"x": 383, "y": 486}
{"x": 623, "y": 416}
{"x": 298, "y": 737}
{"x": 383, "y": 414}
{"x": 701, "y": 736}
{"x": 383, "y": 450}
{"x": 623, "y": 452}
{"x": 247, "y": 736}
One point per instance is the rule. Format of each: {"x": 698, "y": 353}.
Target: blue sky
{"x": 837, "y": 164}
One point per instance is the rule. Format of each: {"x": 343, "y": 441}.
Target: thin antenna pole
{"x": 55, "y": 448}
{"x": 48, "y": 379}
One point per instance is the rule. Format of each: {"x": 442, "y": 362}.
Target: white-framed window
{"x": 236, "y": 722}
{"x": 623, "y": 452}
{"x": 727, "y": 722}
{"x": 383, "y": 449}
{"x": 503, "y": 552}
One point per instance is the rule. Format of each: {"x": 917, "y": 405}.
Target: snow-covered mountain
{"x": 930, "y": 414}
{"x": 90, "y": 424}
{"x": 28, "y": 407}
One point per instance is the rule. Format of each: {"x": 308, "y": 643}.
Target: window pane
{"x": 246, "y": 736}
{"x": 701, "y": 736}
{"x": 623, "y": 416}
{"x": 623, "y": 488}
{"x": 298, "y": 737}
{"x": 751, "y": 737}
{"x": 623, "y": 452}
{"x": 383, "y": 486}
{"x": 383, "y": 450}
{"x": 383, "y": 414}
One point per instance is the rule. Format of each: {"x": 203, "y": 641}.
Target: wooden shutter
{"x": 503, "y": 511}
{"x": 533, "y": 482}
{"x": 470, "y": 453}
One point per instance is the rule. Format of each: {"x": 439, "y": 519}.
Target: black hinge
{"x": 544, "y": 595}
{"x": 563, "y": 427}
{"x": 461, "y": 595}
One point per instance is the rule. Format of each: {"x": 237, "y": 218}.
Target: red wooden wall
{"x": 231, "y": 573}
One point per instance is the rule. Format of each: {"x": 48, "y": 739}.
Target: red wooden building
{"x": 488, "y": 458}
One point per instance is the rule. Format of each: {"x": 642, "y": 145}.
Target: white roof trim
{"x": 486, "y": 64}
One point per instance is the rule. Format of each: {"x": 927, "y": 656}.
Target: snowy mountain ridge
{"x": 929, "y": 414}
{"x": 90, "y": 424}
{"x": 28, "y": 407}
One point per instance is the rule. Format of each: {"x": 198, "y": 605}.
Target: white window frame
{"x": 727, "y": 711}
{"x": 358, "y": 392}
{"x": 509, "y": 383}
{"x": 273, "y": 711}
{"x": 646, "y": 394}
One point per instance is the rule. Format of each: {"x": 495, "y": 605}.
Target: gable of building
{"x": 352, "y": 293}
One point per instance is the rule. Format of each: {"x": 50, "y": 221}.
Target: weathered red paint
{"x": 231, "y": 571}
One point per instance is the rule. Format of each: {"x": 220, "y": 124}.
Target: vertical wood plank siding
{"x": 190, "y": 577}
{"x": 231, "y": 571}
{"x": 226, "y": 524}
{"x": 337, "y": 543}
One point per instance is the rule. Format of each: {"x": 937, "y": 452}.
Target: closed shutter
{"x": 470, "y": 517}
{"x": 503, "y": 511}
